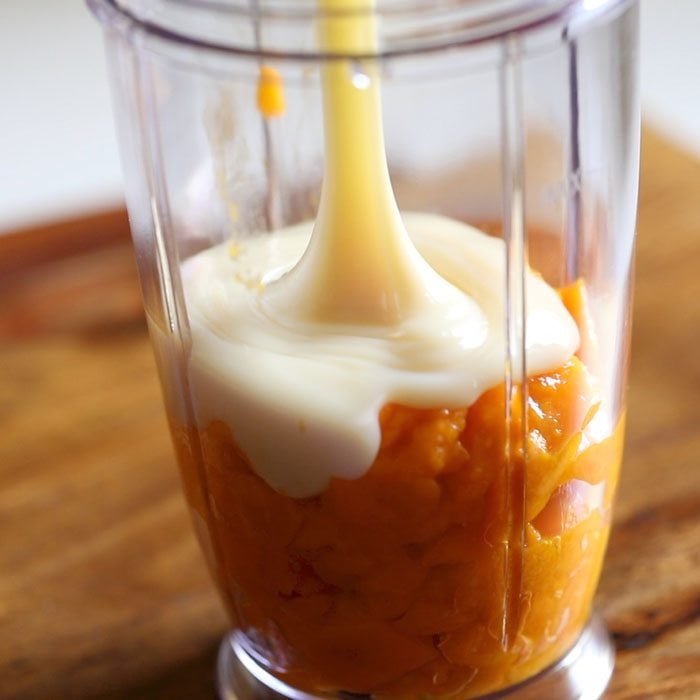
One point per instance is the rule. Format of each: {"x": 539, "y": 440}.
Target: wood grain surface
{"x": 103, "y": 593}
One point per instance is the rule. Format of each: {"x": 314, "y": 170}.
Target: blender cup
{"x": 463, "y": 562}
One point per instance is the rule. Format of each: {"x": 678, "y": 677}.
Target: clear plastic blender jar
{"x": 387, "y": 510}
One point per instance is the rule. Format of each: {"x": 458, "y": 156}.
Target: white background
{"x": 58, "y": 154}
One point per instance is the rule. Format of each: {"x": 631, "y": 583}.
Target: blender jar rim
{"x": 406, "y": 27}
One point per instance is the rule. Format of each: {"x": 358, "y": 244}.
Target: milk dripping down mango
{"x": 306, "y": 333}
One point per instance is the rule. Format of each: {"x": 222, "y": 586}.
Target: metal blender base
{"x": 582, "y": 674}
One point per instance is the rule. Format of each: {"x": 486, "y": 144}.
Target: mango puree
{"x": 400, "y": 583}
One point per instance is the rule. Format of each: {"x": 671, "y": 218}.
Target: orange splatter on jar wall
{"x": 393, "y": 584}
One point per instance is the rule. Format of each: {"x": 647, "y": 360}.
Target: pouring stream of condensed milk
{"x": 360, "y": 268}
{"x": 302, "y": 336}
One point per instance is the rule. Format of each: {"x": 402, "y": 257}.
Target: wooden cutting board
{"x": 103, "y": 593}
